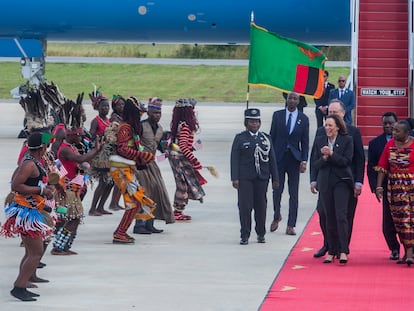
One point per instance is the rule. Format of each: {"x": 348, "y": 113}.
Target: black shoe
{"x": 321, "y": 252}
{"x": 401, "y": 260}
{"x": 329, "y": 259}
{"x": 261, "y": 239}
{"x": 41, "y": 265}
{"x": 395, "y": 255}
{"x": 31, "y": 294}
{"x": 141, "y": 230}
{"x": 244, "y": 241}
{"x": 149, "y": 225}
{"x": 22, "y": 294}
{"x": 343, "y": 259}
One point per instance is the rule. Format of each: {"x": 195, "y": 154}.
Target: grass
{"x": 204, "y": 83}
{"x": 111, "y": 49}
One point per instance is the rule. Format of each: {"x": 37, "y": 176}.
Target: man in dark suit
{"x": 321, "y": 104}
{"x": 253, "y": 163}
{"x": 346, "y": 96}
{"x": 375, "y": 148}
{"x": 358, "y": 167}
{"x": 290, "y": 137}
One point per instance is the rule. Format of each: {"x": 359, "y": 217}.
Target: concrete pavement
{"x": 191, "y": 266}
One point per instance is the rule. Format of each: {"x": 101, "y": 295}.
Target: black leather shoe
{"x": 141, "y": 230}
{"x": 395, "y": 255}
{"x": 261, "y": 239}
{"x": 149, "y": 225}
{"x": 244, "y": 242}
{"x": 41, "y": 265}
{"x": 321, "y": 252}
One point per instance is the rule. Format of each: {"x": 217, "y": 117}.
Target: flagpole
{"x": 247, "y": 96}
{"x": 248, "y": 86}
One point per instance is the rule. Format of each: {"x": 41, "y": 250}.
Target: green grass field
{"x": 204, "y": 83}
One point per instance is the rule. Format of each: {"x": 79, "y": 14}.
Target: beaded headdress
{"x": 185, "y": 102}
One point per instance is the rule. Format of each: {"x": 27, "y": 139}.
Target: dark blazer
{"x": 297, "y": 141}
{"x": 242, "y": 160}
{"x": 358, "y": 159}
{"x": 338, "y": 167}
{"x": 375, "y": 148}
{"x": 349, "y": 101}
{"x": 324, "y": 100}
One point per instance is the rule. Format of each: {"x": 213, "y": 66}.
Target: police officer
{"x": 253, "y": 162}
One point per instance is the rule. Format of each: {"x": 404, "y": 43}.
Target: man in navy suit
{"x": 375, "y": 148}
{"x": 290, "y": 137}
{"x": 337, "y": 107}
{"x": 253, "y": 163}
{"x": 346, "y": 96}
{"x": 321, "y": 104}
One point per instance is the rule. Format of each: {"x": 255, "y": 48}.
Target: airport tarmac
{"x": 191, "y": 266}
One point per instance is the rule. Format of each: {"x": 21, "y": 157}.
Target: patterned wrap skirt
{"x": 400, "y": 194}
{"x": 187, "y": 181}
{"x": 132, "y": 192}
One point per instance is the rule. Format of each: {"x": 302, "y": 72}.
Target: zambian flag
{"x": 285, "y": 64}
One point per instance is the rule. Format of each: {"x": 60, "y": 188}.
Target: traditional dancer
{"x": 99, "y": 170}
{"x": 150, "y": 176}
{"x": 25, "y": 214}
{"x": 123, "y": 166}
{"x": 118, "y": 103}
{"x": 184, "y": 164}
{"x": 70, "y": 200}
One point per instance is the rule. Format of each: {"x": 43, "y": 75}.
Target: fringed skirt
{"x": 400, "y": 193}
{"x": 26, "y": 222}
{"x": 72, "y": 204}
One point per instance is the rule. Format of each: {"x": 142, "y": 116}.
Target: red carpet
{"x": 369, "y": 281}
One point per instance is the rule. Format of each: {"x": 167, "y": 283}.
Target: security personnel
{"x": 253, "y": 162}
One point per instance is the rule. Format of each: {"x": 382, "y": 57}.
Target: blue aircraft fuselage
{"x": 319, "y": 22}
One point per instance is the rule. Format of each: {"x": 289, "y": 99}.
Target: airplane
{"x": 26, "y": 26}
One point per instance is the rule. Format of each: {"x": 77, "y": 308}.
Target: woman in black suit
{"x": 331, "y": 159}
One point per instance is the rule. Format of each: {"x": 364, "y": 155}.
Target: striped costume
{"x": 185, "y": 167}
{"x": 137, "y": 205}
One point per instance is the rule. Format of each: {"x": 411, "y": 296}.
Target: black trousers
{"x": 322, "y": 222}
{"x": 336, "y": 204}
{"x": 252, "y": 196}
{"x": 388, "y": 228}
{"x": 319, "y": 117}
{"x": 352, "y": 204}
{"x": 291, "y": 167}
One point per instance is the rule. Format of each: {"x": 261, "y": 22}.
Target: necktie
{"x": 341, "y": 94}
{"x": 289, "y": 122}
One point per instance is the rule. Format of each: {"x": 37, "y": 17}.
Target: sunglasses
{"x": 341, "y": 80}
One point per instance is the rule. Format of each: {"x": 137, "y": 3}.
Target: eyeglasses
{"x": 341, "y": 80}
